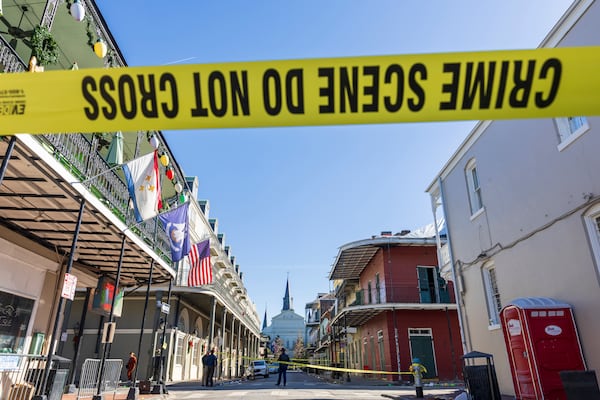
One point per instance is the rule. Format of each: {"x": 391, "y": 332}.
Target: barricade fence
{"x": 90, "y": 372}
{"x": 22, "y": 376}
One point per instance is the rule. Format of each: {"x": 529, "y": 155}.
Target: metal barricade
{"x": 22, "y": 376}
{"x": 112, "y": 374}
{"x": 88, "y": 382}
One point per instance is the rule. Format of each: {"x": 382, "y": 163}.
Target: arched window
{"x": 183, "y": 323}
{"x": 199, "y": 328}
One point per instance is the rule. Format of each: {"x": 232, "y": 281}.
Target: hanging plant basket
{"x": 45, "y": 48}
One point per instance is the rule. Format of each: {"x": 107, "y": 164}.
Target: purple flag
{"x": 176, "y": 226}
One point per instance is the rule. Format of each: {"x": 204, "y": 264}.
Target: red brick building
{"x": 394, "y": 307}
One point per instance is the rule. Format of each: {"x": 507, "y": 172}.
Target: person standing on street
{"x": 131, "y": 363}
{"x": 205, "y": 368}
{"x": 283, "y": 359}
{"x": 211, "y": 364}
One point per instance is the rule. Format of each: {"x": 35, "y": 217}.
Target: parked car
{"x": 256, "y": 368}
{"x": 273, "y": 368}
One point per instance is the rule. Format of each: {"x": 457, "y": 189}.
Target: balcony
{"x": 46, "y": 179}
{"x": 365, "y": 303}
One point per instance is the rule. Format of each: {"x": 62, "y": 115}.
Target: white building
{"x": 287, "y": 325}
{"x": 522, "y": 205}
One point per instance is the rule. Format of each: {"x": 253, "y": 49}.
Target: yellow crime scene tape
{"x": 547, "y": 82}
{"x": 297, "y": 362}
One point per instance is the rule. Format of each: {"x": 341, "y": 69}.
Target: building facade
{"x": 521, "y": 204}
{"x": 286, "y": 327}
{"x": 392, "y": 307}
{"x": 66, "y": 226}
{"x": 218, "y": 316}
{"x": 312, "y": 317}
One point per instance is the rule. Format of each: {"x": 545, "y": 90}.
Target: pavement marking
{"x": 237, "y": 394}
{"x": 192, "y": 395}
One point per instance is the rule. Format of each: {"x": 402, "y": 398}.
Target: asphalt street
{"x": 302, "y": 386}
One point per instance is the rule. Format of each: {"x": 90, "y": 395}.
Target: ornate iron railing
{"x": 78, "y": 154}
{"x": 10, "y": 60}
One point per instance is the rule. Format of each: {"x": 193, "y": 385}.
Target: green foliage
{"x": 45, "y": 48}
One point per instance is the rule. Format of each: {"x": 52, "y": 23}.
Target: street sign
{"x": 108, "y": 333}
{"x": 165, "y": 308}
{"x": 69, "y": 286}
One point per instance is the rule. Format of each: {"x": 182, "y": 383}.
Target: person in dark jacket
{"x": 283, "y": 359}
{"x": 211, "y": 364}
{"x": 205, "y": 369}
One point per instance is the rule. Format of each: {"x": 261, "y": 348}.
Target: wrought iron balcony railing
{"x": 404, "y": 293}
{"x": 9, "y": 59}
{"x": 78, "y": 154}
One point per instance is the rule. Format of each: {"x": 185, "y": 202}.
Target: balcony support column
{"x": 238, "y": 351}
{"x": 106, "y": 346}
{"x": 7, "y": 155}
{"x": 41, "y": 394}
{"x": 133, "y": 393}
{"x": 161, "y": 388}
{"x": 229, "y": 375}
{"x": 222, "y": 344}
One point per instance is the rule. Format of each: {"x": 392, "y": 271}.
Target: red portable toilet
{"x": 541, "y": 340}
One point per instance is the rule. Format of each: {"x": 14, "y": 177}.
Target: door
{"x": 426, "y": 284}
{"x": 432, "y": 287}
{"x": 421, "y": 347}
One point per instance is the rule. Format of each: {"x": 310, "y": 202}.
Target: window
{"x": 432, "y": 288}
{"x": 381, "y": 350}
{"x": 377, "y": 289}
{"x": 370, "y": 299}
{"x": 492, "y": 294}
{"x": 569, "y": 129}
{"x": 473, "y": 187}
{"x": 592, "y": 221}
{"x": 15, "y": 313}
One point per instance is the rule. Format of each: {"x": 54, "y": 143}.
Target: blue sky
{"x": 287, "y": 198}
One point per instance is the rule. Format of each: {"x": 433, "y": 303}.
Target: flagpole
{"x": 97, "y": 175}
{"x": 157, "y": 215}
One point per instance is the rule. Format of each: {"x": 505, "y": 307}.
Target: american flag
{"x": 200, "y": 267}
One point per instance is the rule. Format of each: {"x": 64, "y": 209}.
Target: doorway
{"x": 421, "y": 347}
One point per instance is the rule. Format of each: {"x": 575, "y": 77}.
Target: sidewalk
{"x": 121, "y": 394}
{"x": 430, "y": 389}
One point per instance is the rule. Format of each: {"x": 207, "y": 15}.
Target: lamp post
{"x": 161, "y": 388}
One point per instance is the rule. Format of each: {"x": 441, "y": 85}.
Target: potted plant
{"x": 44, "y": 47}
